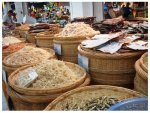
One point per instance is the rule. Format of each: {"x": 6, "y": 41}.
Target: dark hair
{"x": 10, "y": 11}
{"x": 128, "y": 4}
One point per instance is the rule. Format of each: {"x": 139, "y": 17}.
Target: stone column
{"x": 98, "y": 11}
{"x": 81, "y": 9}
{"x": 19, "y": 11}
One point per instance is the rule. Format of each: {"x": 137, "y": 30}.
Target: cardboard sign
{"x": 57, "y": 48}
{"x": 83, "y": 62}
{"x": 26, "y": 79}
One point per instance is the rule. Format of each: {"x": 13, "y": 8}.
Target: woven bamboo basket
{"x": 31, "y": 37}
{"x": 141, "y": 79}
{"x": 143, "y": 61}
{"x": 111, "y": 69}
{"x": 23, "y": 33}
{"x": 36, "y": 91}
{"x": 69, "y": 47}
{"x": 79, "y": 96}
{"x": 9, "y": 68}
{"x": 44, "y": 41}
{"x": 35, "y": 102}
{"x": 16, "y": 31}
{"x": 6, "y": 53}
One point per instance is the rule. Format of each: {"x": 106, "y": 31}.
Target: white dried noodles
{"x": 28, "y": 55}
{"x": 77, "y": 29}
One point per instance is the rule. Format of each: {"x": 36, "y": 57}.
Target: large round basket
{"x": 44, "y": 40}
{"x": 110, "y": 69}
{"x": 66, "y": 47}
{"x": 144, "y": 62}
{"x": 80, "y": 96}
{"x": 31, "y": 37}
{"x": 34, "y": 91}
{"x": 38, "y": 99}
{"x": 141, "y": 79}
{"x": 35, "y": 102}
{"x": 23, "y": 33}
{"x": 10, "y": 68}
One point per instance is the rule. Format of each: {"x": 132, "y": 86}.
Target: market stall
{"x": 87, "y": 65}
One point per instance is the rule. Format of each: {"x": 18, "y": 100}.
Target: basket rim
{"x": 25, "y": 97}
{"x": 140, "y": 71}
{"x": 49, "y": 90}
{"x": 44, "y": 37}
{"x": 98, "y": 54}
{"x": 61, "y": 38}
{"x": 141, "y": 60}
{"x": 86, "y": 88}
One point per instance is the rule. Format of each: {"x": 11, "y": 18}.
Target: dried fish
{"x": 111, "y": 47}
{"x": 101, "y": 103}
{"x": 138, "y": 45}
{"x": 98, "y": 40}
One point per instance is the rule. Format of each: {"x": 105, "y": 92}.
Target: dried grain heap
{"x": 51, "y": 74}
{"x": 10, "y": 40}
{"x": 27, "y": 55}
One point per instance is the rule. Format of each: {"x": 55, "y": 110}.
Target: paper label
{"x": 57, "y": 48}
{"x": 27, "y": 77}
{"x": 33, "y": 74}
{"x": 83, "y": 62}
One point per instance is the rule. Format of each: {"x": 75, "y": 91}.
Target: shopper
{"x": 8, "y": 20}
{"x": 111, "y": 12}
{"x": 122, "y": 10}
{"x": 127, "y": 10}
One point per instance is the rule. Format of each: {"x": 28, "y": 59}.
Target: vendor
{"x": 8, "y": 20}
{"x": 110, "y": 12}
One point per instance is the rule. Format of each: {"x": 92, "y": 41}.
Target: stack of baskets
{"x": 110, "y": 69}
{"x": 44, "y": 40}
{"x": 31, "y": 37}
{"x": 66, "y": 47}
{"x": 141, "y": 78}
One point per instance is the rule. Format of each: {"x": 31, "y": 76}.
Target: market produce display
{"x": 14, "y": 47}
{"x": 27, "y": 55}
{"x": 119, "y": 24}
{"x": 92, "y": 98}
{"x": 51, "y": 74}
{"x": 77, "y": 29}
{"x": 10, "y": 40}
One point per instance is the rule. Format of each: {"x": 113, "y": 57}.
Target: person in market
{"x": 122, "y": 9}
{"x": 8, "y": 20}
{"x": 127, "y": 10}
{"x": 110, "y": 11}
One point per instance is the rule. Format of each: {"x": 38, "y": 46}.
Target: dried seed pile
{"x": 101, "y": 103}
{"x": 77, "y": 29}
